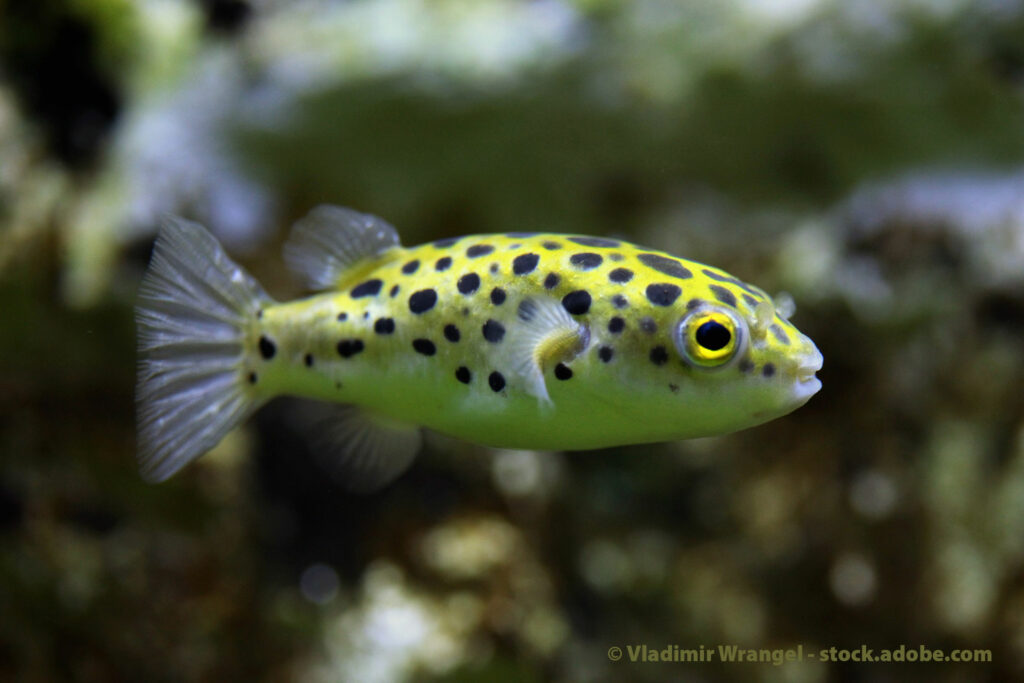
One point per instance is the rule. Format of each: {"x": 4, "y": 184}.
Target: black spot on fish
{"x": 267, "y": 348}
{"x": 665, "y": 265}
{"x": 478, "y": 250}
{"x": 586, "y": 260}
{"x": 463, "y": 375}
{"x": 384, "y": 326}
{"x": 468, "y": 283}
{"x": 424, "y": 346}
{"x": 779, "y": 334}
{"x": 446, "y": 242}
{"x": 746, "y": 365}
{"x": 621, "y": 275}
{"x": 496, "y": 380}
{"x": 551, "y": 246}
{"x": 723, "y": 295}
{"x": 493, "y": 331}
{"x": 394, "y": 291}
{"x": 751, "y": 301}
{"x": 513, "y": 247}
{"x": 674, "y": 388}
{"x": 616, "y": 325}
{"x": 717, "y": 276}
{"x": 595, "y": 242}
{"x": 366, "y": 315}
{"x": 342, "y": 317}
{"x": 731, "y": 280}
{"x": 525, "y": 263}
{"x": 619, "y": 301}
{"x": 252, "y": 378}
{"x": 659, "y": 356}
{"x": 308, "y": 360}
{"x": 368, "y": 288}
{"x": 768, "y": 370}
{"x": 443, "y": 264}
{"x": 615, "y": 256}
{"x": 552, "y": 280}
{"x": 648, "y": 325}
{"x": 422, "y": 301}
{"x": 451, "y": 333}
{"x": 494, "y": 268}
{"x": 563, "y": 371}
{"x": 605, "y": 353}
{"x": 259, "y": 314}
{"x": 663, "y": 294}
{"x": 411, "y": 267}
{"x": 577, "y": 302}
{"x": 349, "y": 347}
{"x": 497, "y": 296}
{"x": 693, "y": 303}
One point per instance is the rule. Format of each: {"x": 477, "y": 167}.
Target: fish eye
{"x": 713, "y": 336}
{"x": 709, "y": 337}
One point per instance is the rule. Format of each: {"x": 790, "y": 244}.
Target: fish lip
{"x": 809, "y": 364}
{"x": 807, "y": 384}
{"x": 806, "y": 373}
{"x": 804, "y": 389}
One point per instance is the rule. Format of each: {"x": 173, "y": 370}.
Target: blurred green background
{"x": 867, "y": 157}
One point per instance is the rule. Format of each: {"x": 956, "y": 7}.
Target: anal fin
{"x": 362, "y": 451}
{"x": 546, "y": 334}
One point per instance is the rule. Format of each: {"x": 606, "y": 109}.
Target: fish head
{"x": 746, "y": 363}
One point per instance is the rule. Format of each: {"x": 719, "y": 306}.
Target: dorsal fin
{"x": 546, "y": 335}
{"x": 330, "y": 240}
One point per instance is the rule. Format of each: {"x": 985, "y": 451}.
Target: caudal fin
{"x": 195, "y": 308}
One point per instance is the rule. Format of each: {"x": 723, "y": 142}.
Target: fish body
{"x": 520, "y": 340}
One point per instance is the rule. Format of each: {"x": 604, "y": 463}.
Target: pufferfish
{"x": 519, "y": 340}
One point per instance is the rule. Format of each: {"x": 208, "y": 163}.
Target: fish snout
{"x": 805, "y": 381}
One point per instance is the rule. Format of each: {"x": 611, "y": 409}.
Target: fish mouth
{"x": 807, "y": 384}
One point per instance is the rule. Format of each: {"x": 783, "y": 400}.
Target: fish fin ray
{"x": 329, "y": 241}
{"x": 361, "y": 451}
{"x": 545, "y": 334}
{"x": 193, "y": 310}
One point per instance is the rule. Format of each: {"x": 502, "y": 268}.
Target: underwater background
{"x": 866, "y": 157}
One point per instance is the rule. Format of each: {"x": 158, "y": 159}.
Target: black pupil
{"x": 713, "y": 336}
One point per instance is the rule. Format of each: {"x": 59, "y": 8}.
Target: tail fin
{"x": 195, "y": 307}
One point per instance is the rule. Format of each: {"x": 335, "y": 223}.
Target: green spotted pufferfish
{"x": 519, "y": 340}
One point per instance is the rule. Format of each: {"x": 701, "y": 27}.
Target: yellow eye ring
{"x": 710, "y": 337}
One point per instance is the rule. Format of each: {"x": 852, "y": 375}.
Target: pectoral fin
{"x": 545, "y": 335}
